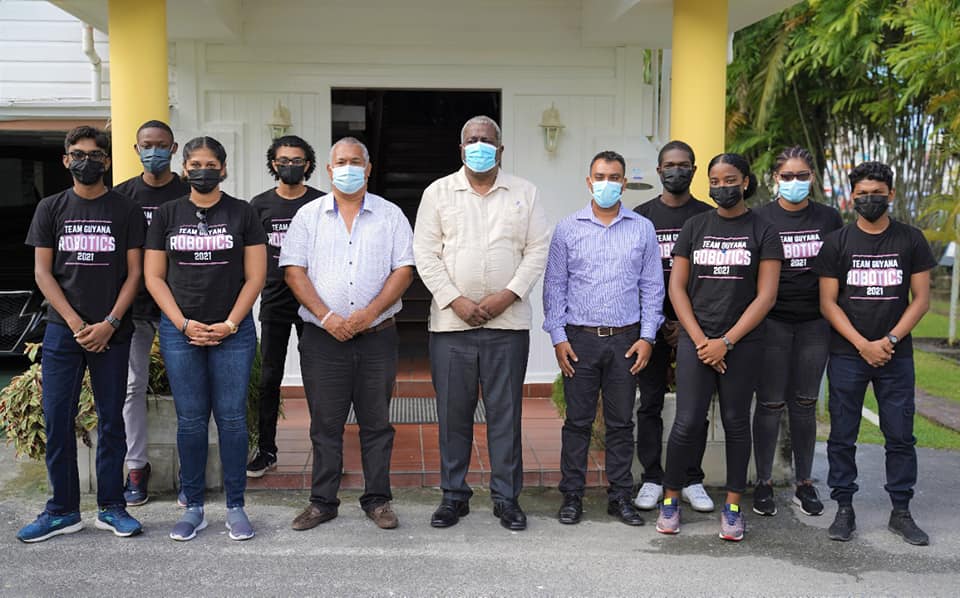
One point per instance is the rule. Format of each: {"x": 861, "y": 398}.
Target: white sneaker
{"x": 649, "y": 496}
{"x": 697, "y": 497}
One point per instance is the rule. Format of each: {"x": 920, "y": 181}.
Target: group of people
{"x": 625, "y": 293}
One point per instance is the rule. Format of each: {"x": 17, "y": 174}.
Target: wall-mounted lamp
{"x": 551, "y": 125}
{"x": 280, "y": 123}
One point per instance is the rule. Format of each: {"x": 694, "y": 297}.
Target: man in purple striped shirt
{"x": 601, "y": 259}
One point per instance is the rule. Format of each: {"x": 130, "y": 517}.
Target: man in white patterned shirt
{"x": 348, "y": 258}
{"x": 481, "y": 243}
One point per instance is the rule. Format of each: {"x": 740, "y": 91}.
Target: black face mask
{"x": 726, "y": 197}
{"x": 204, "y": 180}
{"x": 676, "y": 180}
{"x": 290, "y": 174}
{"x": 871, "y": 207}
{"x": 87, "y": 172}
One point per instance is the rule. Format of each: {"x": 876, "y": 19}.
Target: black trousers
{"x": 461, "y": 363}
{"x": 274, "y": 336}
{"x": 652, "y": 382}
{"x": 696, "y": 383}
{"x": 601, "y": 370}
{"x": 361, "y": 372}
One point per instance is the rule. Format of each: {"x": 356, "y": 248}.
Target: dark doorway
{"x": 412, "y": 136}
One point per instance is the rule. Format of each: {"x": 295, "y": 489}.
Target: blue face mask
{"x": 794, "y": 191}
{"x": 349, "y": 179}
{"x": 607, "y": 193}
{"x": 480, "y": 157}
{"x": 155, "y": 160}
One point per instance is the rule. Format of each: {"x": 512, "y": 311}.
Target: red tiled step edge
{"x": 416, "y": 453}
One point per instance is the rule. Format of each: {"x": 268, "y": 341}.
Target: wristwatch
{"x": 233, "y": 327}
{"x": 652, "y": 341}
{"x": 893, "y": 339}
{"x": 115, "y": 322}
{"x": 727, "y": 342}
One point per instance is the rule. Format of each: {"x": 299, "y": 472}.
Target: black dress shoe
{"x": 571, "y": 510}
{"x": 622, "y": 509}
{"x": 510, "y": 514}
{"x": 449, "y": 512}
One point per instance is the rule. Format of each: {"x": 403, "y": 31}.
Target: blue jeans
{"x": 893, "y": 384}
{"x": 63, "y": 364}
{"x": 205, "y": 379}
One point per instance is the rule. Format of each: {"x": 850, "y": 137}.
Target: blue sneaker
{"x": 118, "y": 521}
{"x": 48, "y": 525}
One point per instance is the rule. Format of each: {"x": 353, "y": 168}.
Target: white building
{"x": 403, "y": 75}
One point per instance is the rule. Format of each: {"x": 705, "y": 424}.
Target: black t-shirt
{"x": 801, "y": 234}
{"x": 277, "y": 302}
{"x": 90, "y": 239}
{"x": 725, "y": 256}
{"x": 668, "y": 221}
{"x": 874, "y": 273}
{"x": 149, "y": 199}
{"x": 205, "y": 272}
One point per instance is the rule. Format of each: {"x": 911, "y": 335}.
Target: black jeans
{"x": 793, "y": 360}
{"x": 601, "y": 371}
{"x": 696, "y": 383}
{"x": 361, "y": 372}
{"x": 893, "y": 385}
{"x": 274, "y": 336}
{"x": 460, "y": 364}
{"x": 652, "y": 382}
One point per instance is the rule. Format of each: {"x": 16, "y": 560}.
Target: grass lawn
{"x": 933, "y": 325}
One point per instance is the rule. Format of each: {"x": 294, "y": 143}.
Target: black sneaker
{"x": 135, "y": 492}
{"x": 808, "y": 500}
{"x": 844, "y": 524}
{"x": 261, "y": 464}
{"x": 763, "y": 503}
{"x": 902, "y": 524}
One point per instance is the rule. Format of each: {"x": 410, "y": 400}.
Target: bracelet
{"x": 233, "y": 327}
{"x": 79, "y": 330}
{"x": 183, "y": 328}
{"x": 324, "y": 319}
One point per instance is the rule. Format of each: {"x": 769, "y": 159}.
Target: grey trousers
{"x": 135, "y": 405}
{"x": 463, "y": 363}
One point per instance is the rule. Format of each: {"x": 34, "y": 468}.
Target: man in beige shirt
{"x": 480, "y": 243}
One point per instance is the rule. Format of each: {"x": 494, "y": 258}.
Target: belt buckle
{"x": 600, "y": 330}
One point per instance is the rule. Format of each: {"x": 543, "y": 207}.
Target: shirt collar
{"x": 586, "y": 213}
{"x": 370, "y": 203}
{"x": 461, "y": 183}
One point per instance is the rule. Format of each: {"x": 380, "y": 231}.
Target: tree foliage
{"x": 853, "y": 80}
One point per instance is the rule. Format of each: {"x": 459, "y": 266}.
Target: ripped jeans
{"x": 794, "y": 358}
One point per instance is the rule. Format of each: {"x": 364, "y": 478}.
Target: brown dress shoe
{"x": 383, "y": 516}
{"x": 313, "y": 516}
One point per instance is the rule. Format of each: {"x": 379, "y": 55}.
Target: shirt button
{"x": 351, "y": 303}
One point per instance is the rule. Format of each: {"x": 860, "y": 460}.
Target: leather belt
{"x": 391, "y": 321}
{"x": 603, "y": 331}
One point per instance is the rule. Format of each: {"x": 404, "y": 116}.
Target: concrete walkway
{"x": 785, "y": 555}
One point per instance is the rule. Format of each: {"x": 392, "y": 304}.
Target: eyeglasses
{"x": 803, "y": 175}
{"x": 202, "y": 227}
{"x": 288, "y": 161}
{"x": 95, "y": 155}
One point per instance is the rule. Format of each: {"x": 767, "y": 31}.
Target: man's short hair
{"x": 609, "y": 156}
{"x": 85, "y": 132}
{"x": 873, "y": 171}
{"x": 480, "y": 120}
{"x": 351, "y": 141}
{"x": 676, "y": 144}
{"x": 156, "y": 124}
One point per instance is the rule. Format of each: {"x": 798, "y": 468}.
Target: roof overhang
{"x": 604, "y": 23}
